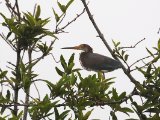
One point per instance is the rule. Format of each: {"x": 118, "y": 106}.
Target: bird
{"x": 94, "y": 61}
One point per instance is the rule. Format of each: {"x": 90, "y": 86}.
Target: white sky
{"x": 127, "y": 21}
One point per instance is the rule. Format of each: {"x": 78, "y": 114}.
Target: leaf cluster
{"x": 28, "y": 31}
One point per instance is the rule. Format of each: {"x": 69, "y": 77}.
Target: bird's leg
{"x": 101, "y": 75}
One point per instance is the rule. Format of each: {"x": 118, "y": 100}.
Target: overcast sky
{"x": 127, "y": 21}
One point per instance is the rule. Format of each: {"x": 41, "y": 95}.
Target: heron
{"x": 94, "y": 61}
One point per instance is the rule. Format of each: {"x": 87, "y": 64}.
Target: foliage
{"x": 149, "y": 88}
{"x": 76, "y": 94}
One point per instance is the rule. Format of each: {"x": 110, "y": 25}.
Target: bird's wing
{"x": 100, "y": 62}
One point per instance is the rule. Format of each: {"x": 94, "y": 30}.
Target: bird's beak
{"x": 75, "y": 47}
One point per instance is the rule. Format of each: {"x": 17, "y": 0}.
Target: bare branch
{"x": 141, "y": 59}
{"x": 62, "y": 28}
{"x": 106, "y": 44}
{"x": 54, "y": 58}
{"x": 17, "y": 7}
{"x": 12, "y": 9}
{"x": 78, "y": 15}
{"x": 8, "y": 41}
{"x": 133, "y": 46}
{"x": 64, "y": 15}
{"x": 145, "y": 64}
{"x": 37, "y": 90}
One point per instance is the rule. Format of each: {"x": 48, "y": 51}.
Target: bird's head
{"x": 83, "y": 47}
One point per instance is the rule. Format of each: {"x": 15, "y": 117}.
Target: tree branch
{"x": 133, "y": 46}
{"x": 132, "y": 79}
{"x": 62, "y": 28}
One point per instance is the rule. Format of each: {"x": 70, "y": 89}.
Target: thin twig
{"x": 36, "y": 60}
{"x": 18, "y": 13}
{"x": 133, "y": 46}
{"x": 64, "y": 15}
{"x": 146, "y": 64}
{"x": 141, "y": 59}
{"x": 12, "y": 9}
{"x": 8, "y": 42}
{"x": 62, "y": 28}
{"x": 37, "y": 91}
{"x": 54, "y": 58}
{"x": 78, "y": 15}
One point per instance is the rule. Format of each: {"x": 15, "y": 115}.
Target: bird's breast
{"x": 83, "y": 59}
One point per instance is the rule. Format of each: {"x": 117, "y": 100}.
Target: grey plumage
{"x": 97, "y": 62}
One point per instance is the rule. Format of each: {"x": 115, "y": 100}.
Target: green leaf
{"x": 114, "y": 117}
{"x": 76, "y": 70}
{"x": 49, "y": 83}
{"x": 56, "y": 15}
{"x": 73, "y": 79}
{"x": 150, "y": 52}
{"x": 8, "y": 35}
{"x": 122, "y": 95}
{"x": 155, "y": 49}
{"x": 4, "y": 17}
{"x": 155, "y": 59}
{"x": 116, "y": 44}
{"x": 2, "y": 111}
{"x": 71, "y": 59}
{"x": 26, "y": 82}
{"x": 153, "y": 110}
{"x": 62, "y": 7}
{"x": 69, "y": 3}
{"x": 123, "y": 52}
{"x": 115, "y": 94}
{"x": 30, "y": 19}
{"x": 3, "y": 74}
{"x": 63, "y": 63}
{"x": 126, "y": 110}
{"x": 63, "y": 115}
{"x": 155, "y": 117}
{"x": 50, "y": 34}
{"x": 70, "y": 68}
{"x": 56, "y": 113}
{"x": 126, "y": 57}
{"x": 38, "y": 12}
{"x": 22, "y": 67}
{"x": 43, "y": 23}
{"x": 59, "y": 71}
{"x": 20, "y": 115}
{"x": 149, "y": 68}
{"x": 159, "y": 44}
{"x": 86, "y": 116}
{"x": 8, "y": 95}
